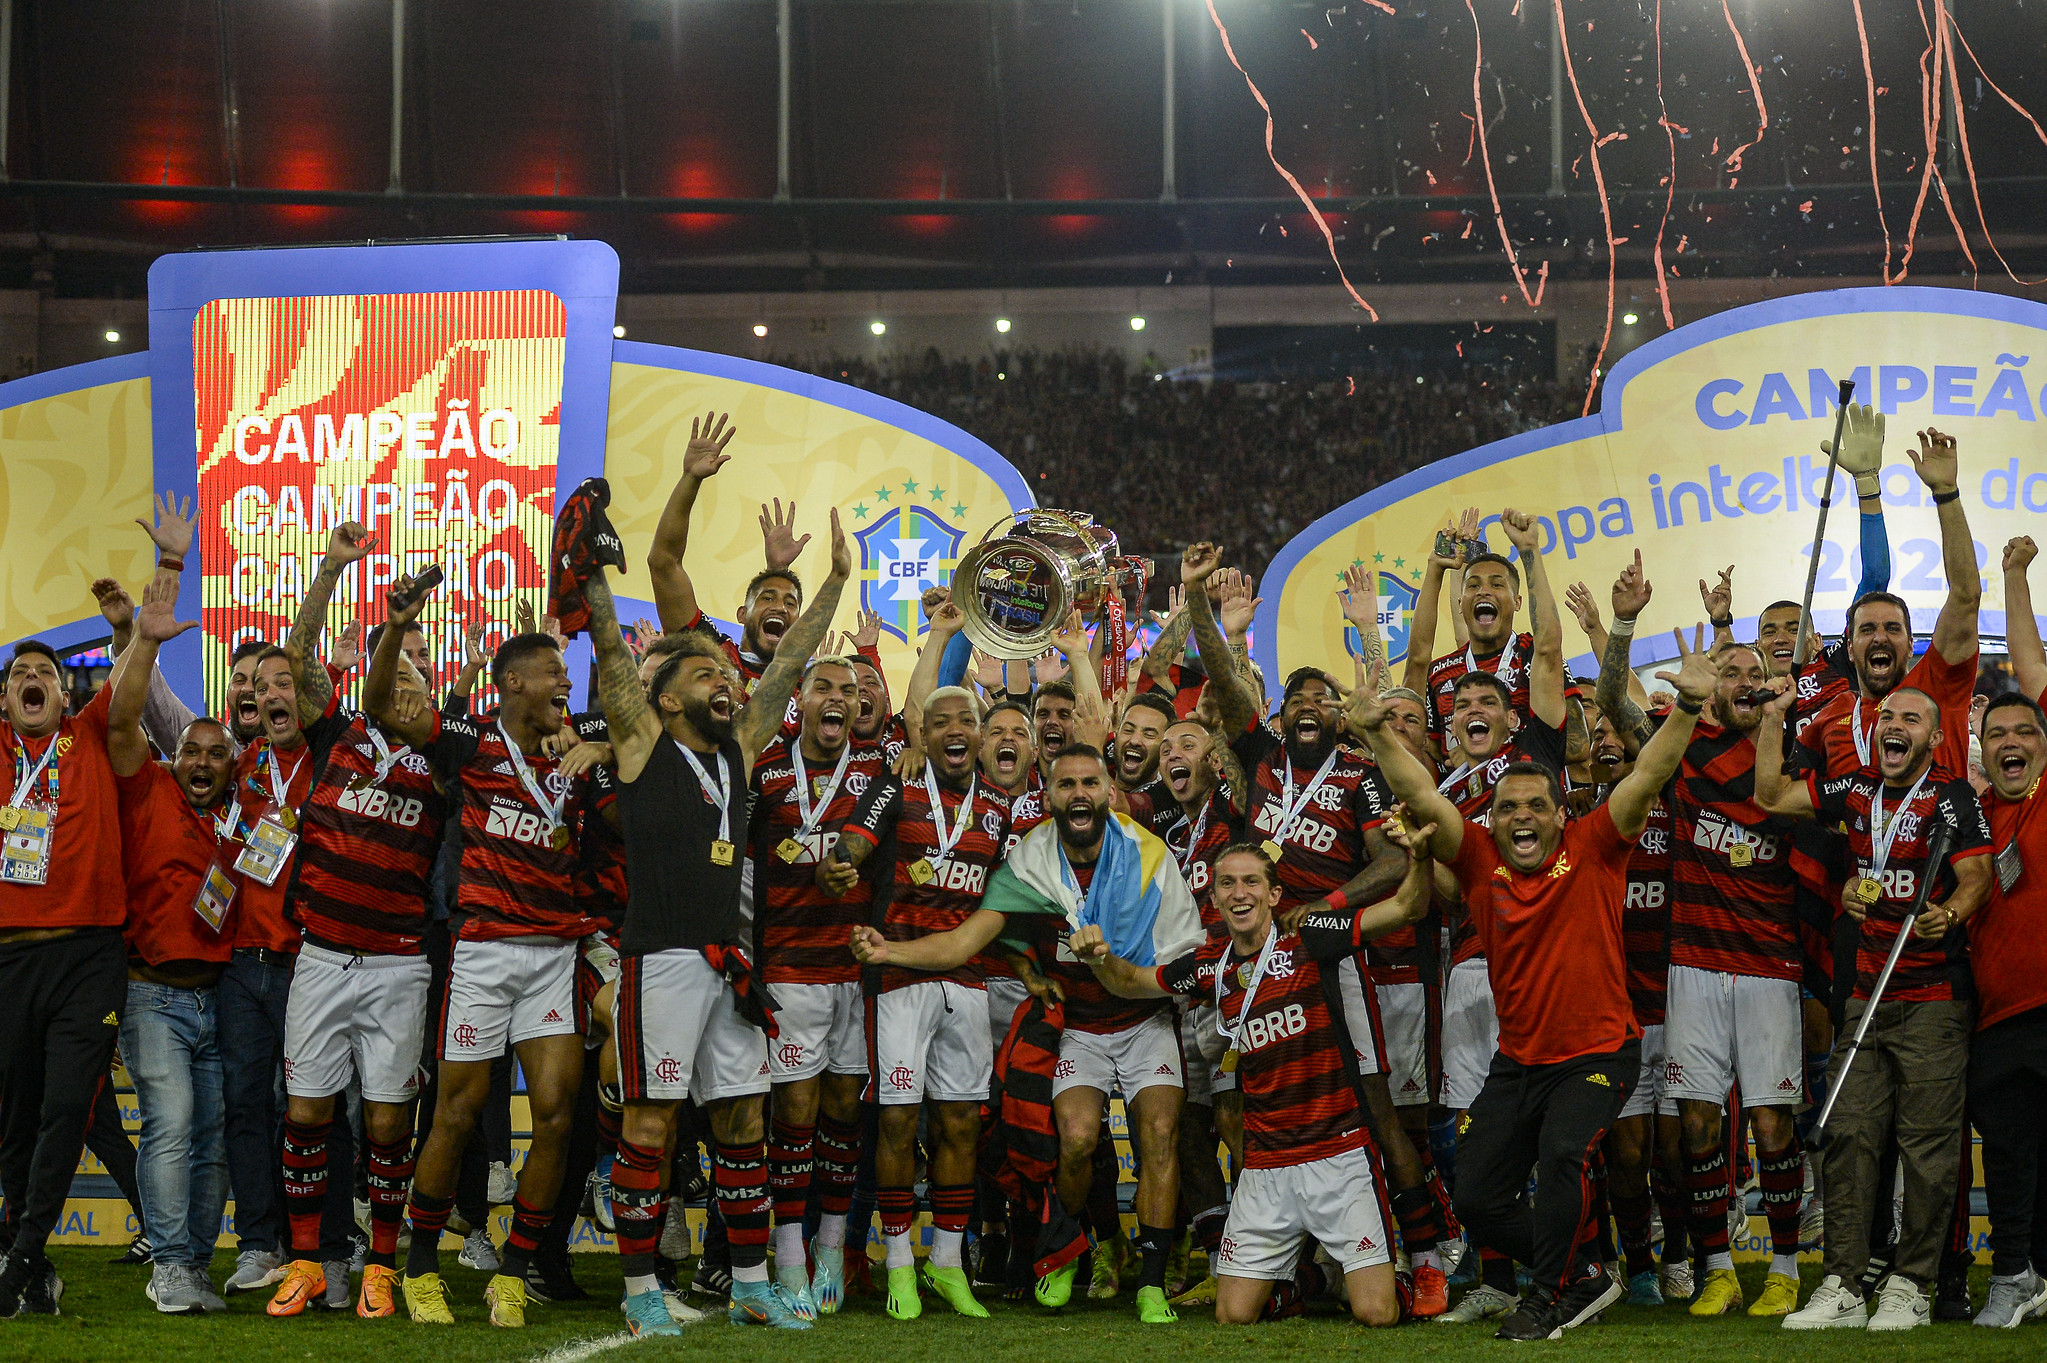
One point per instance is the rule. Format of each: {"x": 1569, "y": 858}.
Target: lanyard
{"x": 280, "y": 784}
{"x": 1194, "y": 840}
{"x": 228, "y": 823}
{"x": 723, "y": 787}
{"x": 1455, "y": 778}
{"x": 1506, "y": 667}
{"x": 552, "y": 811}
{"x": 386, "y": 759}
{"x": 1881, "y": 836}
{"x": 948, "y": 840}
{"x": 25, "y": 783}
{"x": 1862, "y": 740}
{"x": 1290, "y": 809}
{"x": 825, "y": 796}
{"x": 1222, "y": 976}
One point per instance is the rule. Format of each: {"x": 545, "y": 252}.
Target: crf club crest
{"x": 901, "y": 1078}
{"x": 904, "y": 552}
{"x": 790, "y": 1055}
{"x": 667, "y": 1070}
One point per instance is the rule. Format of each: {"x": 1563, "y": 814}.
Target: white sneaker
{"x": 1812, "y": 1222}
{"x": 2012, "y": 1299}
{"x": 502, "y": 1185}
{"x": 1479, "y": 1304}
{"x": 478, "y": 1252}
{"x": 1677, "y": 1281}
{"x": 1900, "y": 1306}
{"x": 1831, "y": 1307}
{"x": 255, "y": 1269}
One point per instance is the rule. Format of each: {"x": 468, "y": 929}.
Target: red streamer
{"x": 1605, "y": 207}
{"x": 1485, "y": 153}
{"x": 1875, "y": 183}
{"x": 1670, "y": 181}
{"x": 1755, "y": 85}
{"x": 1968, "y": 154}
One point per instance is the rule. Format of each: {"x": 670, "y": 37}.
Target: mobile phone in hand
{"x": 1446, "y": 544}
{"x": 421, "y": 585}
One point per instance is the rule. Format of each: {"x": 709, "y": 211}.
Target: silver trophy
{"x": 1016, "y": 589}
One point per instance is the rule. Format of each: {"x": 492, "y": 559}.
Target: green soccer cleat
{"x": 903, "y": 1301}
{"x": 1152, "y": 1307}
{"x": 953, "y": 1288}
{"x": 1055, "y": 1289}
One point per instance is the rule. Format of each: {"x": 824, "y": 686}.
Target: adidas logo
{"x": 553, "y": 1015}
{"x": 1163, "y": 1069}
{"x": 1597, "y": 1078}
{"x": 110, "y": 1020}
{"x": 1365, "y": 1245}
{"x": 366, "y": 750}
{"x": 504, "y": 769}
{"x": 1786, "y": 1086}
{"x": 1410, "y": 1087}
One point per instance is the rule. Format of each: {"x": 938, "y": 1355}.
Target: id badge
{"x": 216, "y": 895}
{"x": 269, "y": 846}
{"x": 25, "y": 854}
{"x": 2009, "y": 867}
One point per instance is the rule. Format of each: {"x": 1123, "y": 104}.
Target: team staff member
{"x": 685, "y": 762}
{"x": 1547, "y": 900}
{"x": 180, "y": 933}
{"x": 1310, "y": 1167}
{"x": 1910, "y": 1083}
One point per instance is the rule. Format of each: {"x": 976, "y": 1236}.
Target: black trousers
{"x": 60, "y": 1015}
{"x": 1549, "y": 1118}
{"x": 109, "y": 1143}
{"x": 2008, "y": 1104}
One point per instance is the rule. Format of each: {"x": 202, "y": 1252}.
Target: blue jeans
{"x": 170, "y": 1039}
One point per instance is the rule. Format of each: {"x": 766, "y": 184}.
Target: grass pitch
{"x": 106, "y": 1319}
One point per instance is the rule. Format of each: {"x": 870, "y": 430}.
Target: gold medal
{"x": 788, "y": 849}
{"x": 921, "y": 872}
{"x": 1740, "y": 854}
{"x": 558, "y": 837}
{"x": 721, "y": 852}
{"x": 289, "y": 819}
{"x": 1273, "y": 851}
{"x": 1869, "y": 890}
{"x": 361, "y": 781}
{"x": 1228, "y": 1064}
{"x": 10, "y": 818}
{"x": 1244, "y": 974}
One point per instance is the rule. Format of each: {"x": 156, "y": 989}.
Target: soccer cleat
{"x": 1720, "y": 1295}
{"x": 42, "y": 1292}
{"x": 1103, "y": 1282}
{"x": 1677, "y": 1281}
{"x": 794, "y": 1284}
{"x": 2012, "y": 1299}
{"x": 549, "y": 1278}
{"x": 828, "y": 1278}
{"x": 647, "y": 1314}
{"x": 1431, "y": 1293}
{"x": 255, "y": 1269}
{"x": 760, "y": 1303}
{"x": 675, "y": 1242}
{"x": 1642, "y": 1289}
{"x": 1900, "y": 1306}
{"x": 1152, "y": 1307}
{"x": 712, "y": 1279}
{"x": 680, "y": 1311}
{"x": 1201, "y": 1294}
{"x": 377, "y": 1299}
{"x": 304, "y": 1282}
{"x": 478, "y": 1252}
{"x": 903, "y": 1301}
{"x": 1951, "y": 1299}
{"x": 599, "y": 1192}
{"x": 991, "y": 1259}
{"x": 1481, "y": 1303}
{"x": 1831, "y": 1307}
{"x": 337, "y": 1297}
{"x": 502, "y": 1185}
{"x": 1055, "y": 1289}
{"x": 1533, "y": 1319}
{"x": 1780, "y": 1296}
{"x": 953, "y": 1289}
{"x": 506, "y": 1296}
{"x": 1584, "y": 1299}
{"x": 426, "y": 1300}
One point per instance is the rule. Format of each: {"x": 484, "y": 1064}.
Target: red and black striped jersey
{"x": 1845, "y": 727}
{"x": 1510, "y": 665}
{"x": 600, "y": 871}
{"x": 1732, "y": 886}
{"x": 1293, "y": 1051}
{"x": 1469, "y": 786}
{"x": 514, "y": 881}
{"x": 799, "y": 931}
{"x": 1089, "y": 1007}
{"x": 1196, "y": 842}
{"x": 1325, "y": 849}
{"x": 1026, "y": 811}
{"x": 1819, "y": 681}
{"x": 1645, "y": 917}
{"x": 1182, "y": 686}
{"x": 1937, "y": 969}
{"x": 260, "y": 919}
{"x": 369, "y": 833}
{"x": 897, "y": 818}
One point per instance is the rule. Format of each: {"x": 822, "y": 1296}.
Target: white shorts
{"x": 930, "y": 1040}
{"x": 360, "y": 1016}
{"x": 1005, "y": 996}
{"x": 507, "y": 990}
{"x": 1724, "y": 1031}
{"x": 1336, "y": 1200}
{"x": 1132, "y": 1059}
{"x": 1471, "y": 1033}
{"x": 1648, "y": 1094}
{"x": 675, "y": 1024}
{"x": 1404, "y": 1023}
{"x": 1203, "y": 1046}
{"x": 1361, "y": 1016}
{"x": 823, "y": 1027}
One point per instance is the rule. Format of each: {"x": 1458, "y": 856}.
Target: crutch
{"x": 1801, "y": 655}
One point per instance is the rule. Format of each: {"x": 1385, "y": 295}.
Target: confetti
{"x": 1312, "y": 44}
{"x": 1805, "y": 207}
{"x": 1670, "y": 131}
{"x": 1872, "y": 90}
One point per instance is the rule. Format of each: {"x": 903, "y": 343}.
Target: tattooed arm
{"x": 634, "y": 726}
{"x": 1172, "y": 638}
{"x": 348, "y": 544}
{"x": 1232, "y": 694}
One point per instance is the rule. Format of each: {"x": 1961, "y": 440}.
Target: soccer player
{"x": 1145, "y": 717}
{"x": 1546, "y": 897}
{"x": 1911, "y": 1078}
{"x": 805, "y": 788}
{"x": 1733, "y": 1017}
{"x": 1309, "y": 1165}
{"x": 686, "y": 1020}
{"x": 1488, "y": 596}
{"x": 512, "y": 975}
{"x": 932, "y": 845}
{"x": 369, "y": 832}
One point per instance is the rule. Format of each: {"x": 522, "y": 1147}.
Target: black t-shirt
{"x": 677, "y": 896}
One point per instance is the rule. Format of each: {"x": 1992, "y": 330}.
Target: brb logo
{"x": 374, "y": 802}
{"x": 907, "y": 550}
{"x": 1277, "y": 1025}
{"x": 507, "y": 820}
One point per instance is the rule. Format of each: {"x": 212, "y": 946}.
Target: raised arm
{"x": 946, "y": 620}
{"x": 1718, "y": 600}
{"x": 1081, "y": 668}
{"x": 473, "y": 660}
{"x": 1546, "y": 669}
{"x": 1617, "y": 684}
{"x": 1862, "y": 458}
{"x": 416, "y": 725}
{"x": 1693, "y": 681}
{"x": 1428, "y": 612}
{"x": 1413, "y": 784}
{"x": 939, "y": 951}
{"x": 1939, "y": 467}
{"x": 1775, "y": 791}
{"x": 762, "y": 716}
{"x": 350, "y": 543}
{"x": 1233, "y": 699}
{"x": 635, "y": 728}
{"x": 2021, "y": 626}
{"x": 155, "y": 623}
{"x": 1112, "y": 972}
{"x": 1160, "y": 657}
{"x": 675, "y": 596}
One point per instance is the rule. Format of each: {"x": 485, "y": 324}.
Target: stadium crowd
{"x": 1466, "y": 992}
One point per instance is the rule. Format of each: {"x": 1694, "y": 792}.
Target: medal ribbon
{"x": 1881, "y": 836}
{"x": 280, "y": 784}
{"x": 825, "y": 797}
{"x": 1290, "y": 809}
{"x": 1222, "y": 975}
{"x": 1194, "y": 840}
{"x": 1507, "y": 667}
{"x": 551, "y": 811}
{"x": 24, "y": 783}
{"x": 947, "y": 840}
{"x": 386, "y": 759}
{"x": 723, "y": 786}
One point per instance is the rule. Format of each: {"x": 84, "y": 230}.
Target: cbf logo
{"x": 903, "y": 553}
{"x": 1396, "y": 616}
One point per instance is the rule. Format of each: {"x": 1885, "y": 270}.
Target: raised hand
{"x": 1238, "y": 605}
{"x": 585, "y": 756}
{"x": 1524, "y": 532}
{"x": 1364, "y": 710}
{"x": 523, "y": 620}
{"x": 116, "y": 606}
{"x": 842, "y": 552}
{"x": 946, "y": 621}
{"x": 1198, "y": 561}
{"x": 1862, "y": 440}
{"x": 1580, "y": 603}
{"x": 1719, "y": 598}
{"x": 778, "y": 531}
{"x": 401, "y": 611}
{"x": 932, "y": 597}
{"x": 175, "y": 526}
{"x": 350, "y": 542}
{"x": 867, "y": 633}
{"x": 1071, "y": 639}
{"x": 1694, "y": 677}
{"x": 1631, "y": 590}
{"x": 552, "y": 628}
{"x": 708, "y": 437}
{"x": 988, "y": 670}
{"x": 346, "y": 650}
{"x": 1935, "y": 461}
{"x": 2018, "y": 554}
{"x": 156, "y": 619}
{"x": 1052, "y": 665}
{"x": 408, "y": 708}
{"x": 472, "y": 644}
{"x": 1176, "y": 601}
{"x": 1780, "y": 705}
{"x": 1360, "y": 599}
